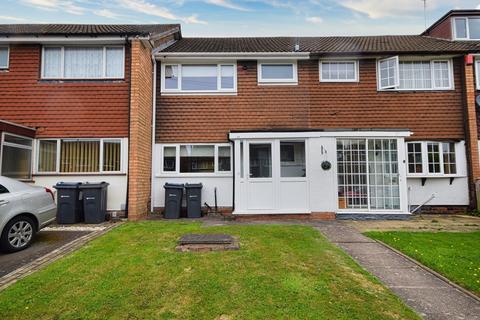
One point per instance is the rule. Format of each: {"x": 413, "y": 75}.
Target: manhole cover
{"x": 207, "y": 242}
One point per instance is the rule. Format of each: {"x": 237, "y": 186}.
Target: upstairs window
{"x": 431, "y": 158}
{"x": 394, "y": 74}
{"x": 4, "y": 53}
{"x": 83, "y": 62}
{"x": 277, "y": 72}
{"x": 338, "y": 71}
{"x": 466, "y": 28}
{"x": 198, "y": 78}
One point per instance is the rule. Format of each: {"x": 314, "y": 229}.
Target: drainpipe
{"x": 424, "y": 203}
{"x": 154, "y": 120}
{"x": 233, "y": 171}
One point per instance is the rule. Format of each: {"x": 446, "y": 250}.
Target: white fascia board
{"x": 162, "y": 56}
{"x": 64, "y": 40}
{"x": 318, "y": 134}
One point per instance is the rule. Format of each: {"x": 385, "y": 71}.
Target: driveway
{"x": 46, "y": 242}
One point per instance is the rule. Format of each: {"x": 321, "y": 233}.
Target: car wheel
{"x": 18, "y": 234}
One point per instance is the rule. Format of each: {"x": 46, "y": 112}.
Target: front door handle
{"x": 3, "y": 202}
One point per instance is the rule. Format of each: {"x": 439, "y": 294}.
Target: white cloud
{"x": 377, "y": 9}
{"x": 227, "y": 4}
{"x": 315, "y": 20}
{"x": 106, "y": 13}
{"x": 56, "y": 5}
{"x": 10, "y": 18}
{"x": 151, "y": 9}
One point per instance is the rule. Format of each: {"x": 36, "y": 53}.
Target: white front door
{"x": 276, "y": 179}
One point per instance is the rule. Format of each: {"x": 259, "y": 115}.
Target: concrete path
{"x": 430, "y": 296}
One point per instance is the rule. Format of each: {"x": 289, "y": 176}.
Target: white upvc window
{"x": 466, "y": 28}
{"x": 431, "y": 158}
{"x": 199, "y": 77}
{"x": 277, "y": 72}
{"x": 16, "y": 156}
{"x": 477, "y": 73}
{"x": 338, "y": 71}
{"x": 4, "y": 57}
{"x": 196, "y": 159}
{"x": 83, "y": 62}
{"x": 396, "y": 74}
{"x": 80, "y": 156}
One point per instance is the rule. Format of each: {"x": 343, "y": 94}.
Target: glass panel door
{"x": 367, "y": 174}
{"x": 261, "y": 160}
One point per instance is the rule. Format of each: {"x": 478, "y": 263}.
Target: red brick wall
{"x": 311, "y": 105}
{"x": 62, "y": 108}
{"x": 443, "y": 30}
{"x": 140, "y": 137}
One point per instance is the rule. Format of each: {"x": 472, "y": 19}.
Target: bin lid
{"x": 193, "y": 185}
{"x": 67, "y": 185}
{"x": 173, "y": 185}
{"x": 94, "y": 185}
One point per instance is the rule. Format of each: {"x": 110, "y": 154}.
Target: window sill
{"x": 199, "y": 93}
{"x": 431, "y": 176}
{"x": 261, "y": 83}
{"x": 110, "y": 80}
{"x": 79, "y": 174}
{"x": 414, "y": 90}
{"x": 194, "y": 175}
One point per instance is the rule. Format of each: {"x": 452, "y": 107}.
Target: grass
{"x": 456, "y": 255}
{"x": 133, "y": 272}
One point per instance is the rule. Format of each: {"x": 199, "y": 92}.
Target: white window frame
{"x": 8, "y": 57}
{"x": 62, "y": 68}
{"x": 100, "y": 163}
{"x": 477, "y": 72}
{"x": 467, "y": 28}
{"x": 396, "y": 83}
{"x": 292, "y": 81}
{"x": 425, "y": 171}
{"x": 432, "y": 71}
{"x": 356, "y": 68}
{"x": 177, "y": 172}
{"x": 196, "y": 92}
{"x": 20, "y": 146}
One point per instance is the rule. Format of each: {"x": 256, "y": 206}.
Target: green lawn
{"x": 133, "y": 272}
{"x": 455, "y": 255}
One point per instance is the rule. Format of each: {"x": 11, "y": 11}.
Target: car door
{"x": 8, "y": 205}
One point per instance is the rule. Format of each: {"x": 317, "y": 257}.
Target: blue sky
{"x": 242, "y": 17}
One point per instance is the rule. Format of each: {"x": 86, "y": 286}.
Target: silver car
{"x": 24, "y": 210}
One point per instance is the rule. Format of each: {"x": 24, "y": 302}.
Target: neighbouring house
{"x": 76, "y": 105}
{"x": 322, "y": 126}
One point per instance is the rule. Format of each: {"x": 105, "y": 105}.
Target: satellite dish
{"x": 477, "y": 100}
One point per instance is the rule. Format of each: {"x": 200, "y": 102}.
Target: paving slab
{"x": 429, "y": 295}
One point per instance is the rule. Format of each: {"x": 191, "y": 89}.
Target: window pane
{"x": 449, "y": 161}
{"x": 83, "y": 63}
{"x": 260, "y": 160}
{"x": 171, "y": 77}
{"x": 18, "y": 140}
{"x": 80, "y": 156}
{"x": 227, "y": 75}
{"x": 415, "y": 157}
{"x": 474, "y": 28}
{"x": 277, "y": 71}
{"x": 111, "y": 155}
{"x": 460, "y": 28}
{"x": 170, "y": 159}
{"x": 338, "y": 71}
{"x": 441, "y": 74}
{"x": 3, "y": 189}
{"x": 224, "y": 159}
{"x": 52, "y": 62}
{"x": 199, "y": 77}
{"x": 3, "y": 57}
{"x": 114, "y": 64}
{"x": 16, "y": 162}
{"x": 388, "y": 72}
{"x": 292, "y": 159}
{"x": 197, "y": 158}
{"x": 433, "y": 150}
{"x": 47, "y": 156}
{"x": 242, "y": 163}
{"x": 415, "y": 75}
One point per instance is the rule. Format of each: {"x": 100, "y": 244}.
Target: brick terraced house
{"x": 316, "y": 127}
{"x": 370, "y": 126}
{"x": 75, "y": 105}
